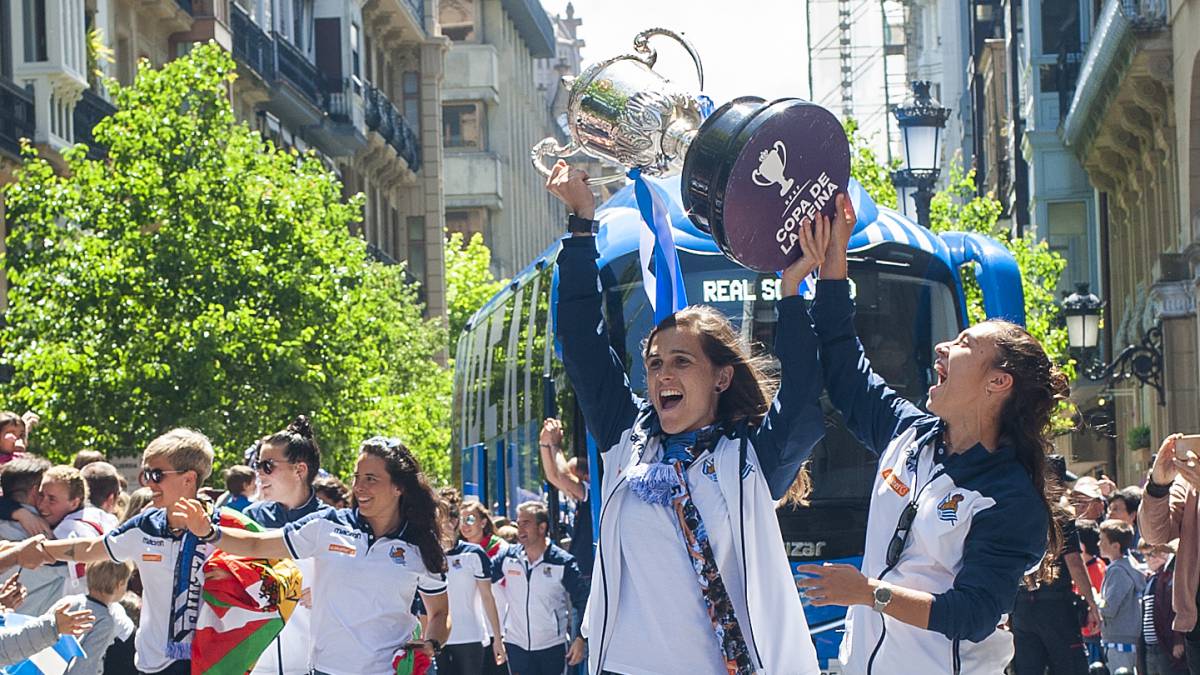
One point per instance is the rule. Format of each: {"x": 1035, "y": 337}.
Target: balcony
{"x": 16, "y": 116}
{"x": 473, "y": 179}
{"x": 472, "y": 74}
{"x": 89, "y": 110}
{"x": 383, "y": 118}
{"x": 251, "y": 45}
{"x": 533, "y": 25}
{"x": 1128, "y": 40}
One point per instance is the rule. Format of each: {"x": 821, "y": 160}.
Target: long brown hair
{"x": 418, "y": 504}
{"x": 1026, "y": 418}
{"x": 751, "y": 389}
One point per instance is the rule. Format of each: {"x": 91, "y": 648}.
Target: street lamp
{"x": 921, "y": 121}
{"x": 1143, "y": 361}
{"x": 1082, "y": 310}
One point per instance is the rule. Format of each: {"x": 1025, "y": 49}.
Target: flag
{"x": 53, "y": 660}
{"x": 246, "y": 602}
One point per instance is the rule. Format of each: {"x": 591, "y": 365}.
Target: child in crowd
{"x": 106, "y": 581}
{"x": 1120, "y": 596}
{"x": 169, "y": 561}
{"x": 12, "y": 436}
{"x": 239, "y": 481}
{"x": 332, "y": 491}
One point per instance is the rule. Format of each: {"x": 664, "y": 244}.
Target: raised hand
{"x": 552, "y": 433}
{"x": 570, "y": 186}
{"x": 814, "y": 242}
{"x": 70, "y": 622}
{"x": 1163, "y": 472}
{"x": 834, "y": 266}
{"x": 190, "y": 513}
{"x": 12, "y": 592}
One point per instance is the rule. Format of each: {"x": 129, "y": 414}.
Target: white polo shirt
{"x": 147, "y": 542}
{"x": 363, "y": 594}
{"x": 469, "y": 564}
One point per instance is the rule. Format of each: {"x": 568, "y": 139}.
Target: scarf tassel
{"x": 653, "y": 483}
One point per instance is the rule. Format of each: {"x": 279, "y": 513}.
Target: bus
{"x": 908, "y": 287}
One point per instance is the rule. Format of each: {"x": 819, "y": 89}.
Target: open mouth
{"x": 940, "y": 369}
{"x": 669, "y": 398}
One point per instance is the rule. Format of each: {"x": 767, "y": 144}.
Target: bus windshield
{"x": 901, "y": 315}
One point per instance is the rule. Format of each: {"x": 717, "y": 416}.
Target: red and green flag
{"x": 246, "y": 602}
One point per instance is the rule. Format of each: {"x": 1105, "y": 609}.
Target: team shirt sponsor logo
{"x": 151, "y": 557}
{"x": 344, "y": 550}
{"x": 893, "y": 481}
{"x": 152, "y": 542}
{"x": 948, "y": 508}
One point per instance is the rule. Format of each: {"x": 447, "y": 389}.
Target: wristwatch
{"x": 883, "y": 595}
{"x": 437, "y": 646}
{"x": 577, "y": 224}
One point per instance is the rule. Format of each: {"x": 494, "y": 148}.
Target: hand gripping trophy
{"x": 753, "y": 172}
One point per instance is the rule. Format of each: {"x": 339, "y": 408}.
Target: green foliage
{"x": 1138, "y": 437}
{"x": 202, "y": 278}
{"x": 469, "y": 282}
{"x": 867, "y": 169}
{"x": 958, "y": 207}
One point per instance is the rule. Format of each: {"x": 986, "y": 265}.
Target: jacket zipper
{"x": 745, "y": 565}
{"x": 528, "y": 589}
{"x": 604, "y": 576}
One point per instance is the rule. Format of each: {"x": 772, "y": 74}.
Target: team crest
{"x": 948, "y": 508}
{"x": 709, "y": 469}
{"x": 457, "y": 564}
{"x": 396, "y": 553}
{"x": 546, "y": 571}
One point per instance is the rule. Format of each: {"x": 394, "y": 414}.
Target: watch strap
{"x": 577, "y": 224}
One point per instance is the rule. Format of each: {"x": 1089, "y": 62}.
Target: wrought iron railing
{"x": 16, "y": 115}
{"x": 251, "y": 45}
{"x": 1145, "y": 15}
{"x": 89, "y": 110}
{"x": 291, "y": 65}
{"x": 337, "y": 99}
{"x": 384, "y": 118}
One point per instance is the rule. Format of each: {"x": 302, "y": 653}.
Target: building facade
{"x": 493, "y": 112}
{"x": 1133, "y": 122}
{"x": 358, "y": 83}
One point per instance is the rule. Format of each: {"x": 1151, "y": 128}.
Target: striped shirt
{"x": 1148, "y": 633}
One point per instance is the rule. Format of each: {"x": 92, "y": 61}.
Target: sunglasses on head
{"x": 900, "y": 538}
{"x": 155, "y": 476}
{"x": 267, "y": 466}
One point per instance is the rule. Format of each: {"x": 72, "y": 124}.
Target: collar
{"x": 310, "y": 506}
{"x": 363, "y": 524}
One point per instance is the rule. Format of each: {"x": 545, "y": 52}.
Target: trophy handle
{"x": 549, "y": 146}
{"x": 782, "y": 152}
{"x": 642, "y": 46}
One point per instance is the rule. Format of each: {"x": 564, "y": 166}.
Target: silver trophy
{"x": 622, "y": 111}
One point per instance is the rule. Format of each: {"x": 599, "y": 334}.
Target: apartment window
{"x": 1060, "y": 27}
{"x": 412, "y": 99}
{"x": 416, "y": 247}
{"x": 34, "y": 20}
{"x": 1067, "y": 234}
{"x": 369, "y": 70}
{"x": 463, "y": 125}
{"x": 468, "y": 222}
{"x": 458, "y": 19}
{"x": 355, "y": 68}
{"x": 5, "y": 41}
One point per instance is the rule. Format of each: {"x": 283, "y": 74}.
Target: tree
{"x": 469, "y": 281}
{"x": 201, "y": 277}
{"x": 959, "y": 207}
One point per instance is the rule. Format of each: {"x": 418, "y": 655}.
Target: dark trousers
{"x": 549, "y": 661}
{"x": 1191, "y": 649}
{"x": 465, "y": 659}
{"x": 176, "y": 668}
{"x": 1046, "y": 633}
{"x": 489, "y": 663}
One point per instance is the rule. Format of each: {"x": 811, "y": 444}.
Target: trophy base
{"x": 756, "y": 172}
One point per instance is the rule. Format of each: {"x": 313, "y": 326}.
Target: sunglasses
{"x": 266, "y": 466}
{"x": 156, "y": 476}
{"x": 900, "y": 538}
{"x": 470, "y": 519}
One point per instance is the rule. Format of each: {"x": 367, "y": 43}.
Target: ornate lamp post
{"x": 1143, "y": 361}
{"x": 921, "y": 121}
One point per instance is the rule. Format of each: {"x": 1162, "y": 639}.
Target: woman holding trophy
{"x": 690, "y": 551}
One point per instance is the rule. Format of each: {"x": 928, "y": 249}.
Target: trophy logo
{"x": 771, "y": 165}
